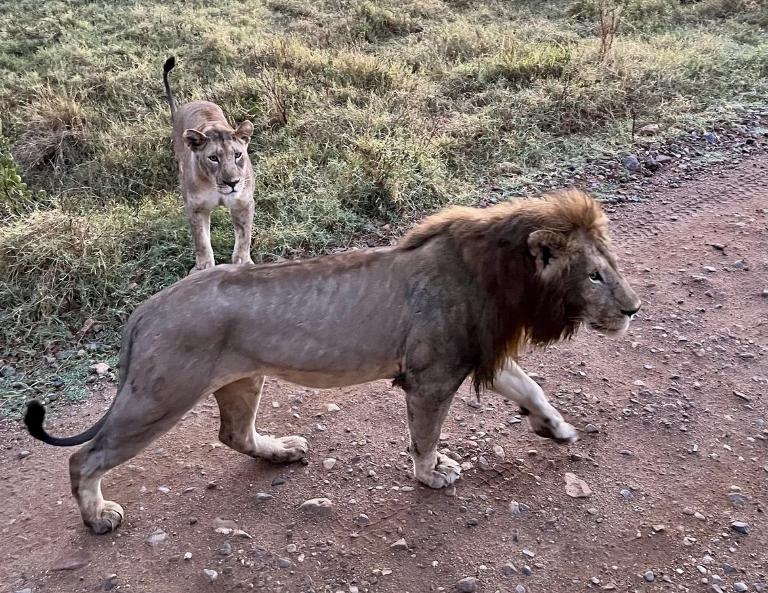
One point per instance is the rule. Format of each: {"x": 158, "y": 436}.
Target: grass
{"x": 368, "y": 114}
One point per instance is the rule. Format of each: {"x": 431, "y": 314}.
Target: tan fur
{"x": 459, "y": 296}
{"x": 214, "y": 170}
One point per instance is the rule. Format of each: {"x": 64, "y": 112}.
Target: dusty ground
{"x": 670, "y": 433}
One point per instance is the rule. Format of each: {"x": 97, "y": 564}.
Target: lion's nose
{"x": 630, "y": 312}
{"x": 232, "y": 184}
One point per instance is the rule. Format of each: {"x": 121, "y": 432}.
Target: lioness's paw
{"x": 556, "y": 429}
{"x": 284, "y": 449}
{"x": 108, "y": 518}
{"x": 445, "y": 472}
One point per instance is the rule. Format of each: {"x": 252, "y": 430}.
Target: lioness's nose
{"x": 632, "y": 311}
{"x": 232, "y": 184}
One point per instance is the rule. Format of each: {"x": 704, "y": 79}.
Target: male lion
{"x": 214, "y": 170}
{"x": 461, "y": 294}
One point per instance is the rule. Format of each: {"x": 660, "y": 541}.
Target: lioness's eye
{"x": 595, "y": 277}
{"x": 238, "y": 155}
{"x": 213, "y": 158}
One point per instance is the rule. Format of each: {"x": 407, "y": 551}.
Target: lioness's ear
{"x": 244, "y": 131}
{"x": 545, "y": 246}
{"x": 194, "y": 140}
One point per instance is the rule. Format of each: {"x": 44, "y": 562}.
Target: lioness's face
{"x": 586, "y": 273}
{"x": 222, "y": 156}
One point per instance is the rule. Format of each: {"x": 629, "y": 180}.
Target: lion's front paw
{"x": 556, "y": 429}
{"x": 284, "y": 449}
{"x": 445, "y": 472}
{"x": 108, "y": 518}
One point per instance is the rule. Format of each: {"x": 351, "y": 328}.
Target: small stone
{"x": 157, "y": 538}
{"x": 649, "y": 130}
{"x": 242, "y": 534}
{"x": 591, "y": 428}
{"x": 291, "y": 548}
{"x": 262, "y": 496}
{"x": 100, "y": 368}
{"x": 329, "y": 463}
{"x": 23, "y": 591}
{"x": 283, "y": 562}
{"x": 399, "y": 545}
{"x": 741, "y": 396}
{"x": 527, "y": 570}
{"x": 528, "y": 553}
{"x": 711, "y": 138}
{"x": 740, "y": 587}
{"x": 575, "y": 487}
{"x": 187, "y": 555}
{"x": 7, "y": 371}
{"x": 740, "y": 527}
{"x": 332, "y": 408}
{"x": 468, "y": 585}
{"x": 518, "y": 509}
{"x": 659, "y": 528}
{"x": 219, "y": 523}
{"x": 699, "y": 516}
{"x": 519, "y": 589}
{"x": 649, "y": 576}
{"x": 24, "y": 454}
{"x": 363, "y": 520}
{"x": 483, "y": 464}
{"x": 71, "y": 559}
{"x": 594, "y": 581}
{"x": 663, "y": 159}
{"x": 625, "y": 493}
{"x": 210, "y": 575}
{"x": 737, "y": 497}
{"x": 317, "y": 506}
{"x": 498, "y": 451}
{"x": 163, "y": 489}
{"x": 508, "y": 570}
{"x": 631, "y": 163}
{"x": 225, "y": 549}
{"x": 278, "y": 481}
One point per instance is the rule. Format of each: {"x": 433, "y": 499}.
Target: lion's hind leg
{"x": 512, "y": 382}
{"x": 238, "y": 406}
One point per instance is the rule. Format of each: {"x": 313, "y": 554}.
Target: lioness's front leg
{"x": 512, "y": 382}
{"x": 427, "y": 409}
{"x": 238, "y": 405}
{"x": 242, "y": 220}
{"x": 199, "y": 218}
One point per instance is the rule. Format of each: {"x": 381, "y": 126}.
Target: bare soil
{"x": 669, "y": 430}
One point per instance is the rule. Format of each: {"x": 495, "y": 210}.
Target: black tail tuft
{"x": 169, "y": 65}
{"x": 34, "y": 420}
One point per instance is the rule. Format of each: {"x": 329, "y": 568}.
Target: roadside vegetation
{"x": 368, "y": 114}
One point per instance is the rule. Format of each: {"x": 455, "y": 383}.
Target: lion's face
{"x": 592, "y": 289}
{"x": 222, "y": 156}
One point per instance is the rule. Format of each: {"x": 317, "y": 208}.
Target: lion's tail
{"x": 169, "y": 65}
{"x": 35, "y": 414}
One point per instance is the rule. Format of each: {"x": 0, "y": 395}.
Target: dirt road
{"x": 673, "y": 449}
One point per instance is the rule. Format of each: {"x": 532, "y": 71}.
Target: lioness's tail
{"x": 170, "y": 63}
{"x": 35, "y": 415}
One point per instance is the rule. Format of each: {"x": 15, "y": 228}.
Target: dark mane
{"x": 516, "y": 306}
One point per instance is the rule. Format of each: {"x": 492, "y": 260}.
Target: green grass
{"x": 393, "y": 109}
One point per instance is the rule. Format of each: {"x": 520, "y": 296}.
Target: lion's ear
{"x": 546, "y": 246}
{"x": 244, "y": 131}
{"x": 194, "y": 140}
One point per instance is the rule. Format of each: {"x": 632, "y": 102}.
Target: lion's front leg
{"x": 242, "y": 220}
{"x": 200, "y": 224}
{"x": 512, "y": 382}
{"x": 427, "y": 410}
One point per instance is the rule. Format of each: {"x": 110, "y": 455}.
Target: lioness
{"x": 460, "y": 295}
{"x": 214, "y": 170}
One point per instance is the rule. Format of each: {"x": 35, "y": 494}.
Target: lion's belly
{"x": 327, "y": 380}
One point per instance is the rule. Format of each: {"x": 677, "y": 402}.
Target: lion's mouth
{"x": 607, "y": 330}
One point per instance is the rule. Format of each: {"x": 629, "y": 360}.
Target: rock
{"x": 225, "y": 549}
{"x": 399, "y": 545}
{"x": 740, "y": 587}
{"x": 262, "y": 496}
{"x": 658, "y": 528}
{"x": 332, "y": 408}
{"x": 100, "y": 368}
{"x": 519, "y": 589}
{"x": 329, "y": 463}
{"x": 625, "y": 493}
{"x": 242, "y": 534}
{"x": 219, "y": 523}
{"x": 699, "y": 516}
{"x": 663, "y": 159}
{"x": 711, "y": 138}
{"x": 498, "y": 451}
{"x": 518, "y": 509}
{"x": 24, "y": 454}
{"x": 210, "y": 575}
{"x": 363, "y": 520}
{"x": 157, "y": 538}
{"x": 631, "y": 163}
{"x": 508, "y": 168}
{"x": 527, "y": 570}
{"x": 163, "y": 489}
{"x": 528, "y": 553}
{"x": 737, "y": 497}
{"x": 649, "y": 130}
{"x": 71, "y": 559}
{"x": 591, "y": 428}
{"x": 508, "y": 570}
{"x": 23, "y": 591}
{"x": 317, "y": 506}
{"x": 740, "y": 527}
{"x": 483, "y": 464}
{"x": 278, "y": 481}
{"x": 283, "y": 562}
{"x": 649, "y": 576}
{"x": 651, "y": 164}
{"x": 575, "y": 487}
{"x": 468, "y": 585}
{"x": 7, "y": 371}
{"x": 65, "y": 354}
{"x": 187, "y": 555}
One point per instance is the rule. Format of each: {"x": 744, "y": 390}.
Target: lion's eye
{"x": 238, "y": 155}
{"x": 213, "y": 158}
{"x": 596, "y": 277}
